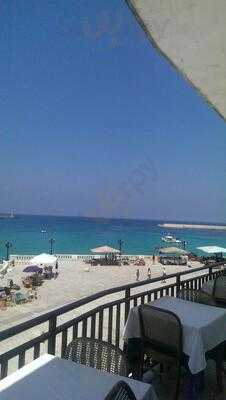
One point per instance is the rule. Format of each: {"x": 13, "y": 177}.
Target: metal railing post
{"x": 127, "y": 303}
{"x": 52, "y": 338}
{"x": 178, "y": 283}
{"x": 210, "y": 271}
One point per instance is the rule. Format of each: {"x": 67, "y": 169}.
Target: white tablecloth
{"x": 52, "y": 378}
{"x": 204, "y": 327}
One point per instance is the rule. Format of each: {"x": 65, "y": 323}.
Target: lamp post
{"x": 8, "y": 245}
{"x": 51, "y": 241}
{"x": 120, "y": 243}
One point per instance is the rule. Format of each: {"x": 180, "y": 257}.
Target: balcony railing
{"x": 101, "y": 315}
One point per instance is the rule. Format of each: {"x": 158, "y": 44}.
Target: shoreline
{"x": 194, "y": 226}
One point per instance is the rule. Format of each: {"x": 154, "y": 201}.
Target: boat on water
{"x": 170, "y": 239}
{"x": 6, "y": 215}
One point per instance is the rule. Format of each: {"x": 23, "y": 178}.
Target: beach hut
{"x": 44, "y": 259}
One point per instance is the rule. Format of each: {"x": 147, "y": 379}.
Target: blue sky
{"x": 93, "y": 121}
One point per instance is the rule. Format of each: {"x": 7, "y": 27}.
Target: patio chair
{"x": 161, "y": 333}
{"x": 120, "y": 391}
{"x": 7, "y": 290}
{"x": 20, "y": 298}
{"x": 196, "y": 296}
{"x": 3, "y": 305}
{"x": 15, "y": 287}
{"x": 97, "y": 354}
{"x": 219, "y": 291}
{"x": 218, "y": 298}
{"x": 27, "y": 282}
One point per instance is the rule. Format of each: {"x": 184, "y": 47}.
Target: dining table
{"x": 53, "y": 378}
{"x": 204, "y": 327}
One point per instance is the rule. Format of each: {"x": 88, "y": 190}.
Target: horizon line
{"x": 118, "y": 218}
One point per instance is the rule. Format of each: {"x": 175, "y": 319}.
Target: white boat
{"x": 170, "y": 239}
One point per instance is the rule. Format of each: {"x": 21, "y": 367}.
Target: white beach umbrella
{"x": 105, "y": 250}
{"x": 172, "y": 250}
{"x": 43, "y": 259}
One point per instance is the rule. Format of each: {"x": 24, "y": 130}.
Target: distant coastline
{"x": 194, "y": 226}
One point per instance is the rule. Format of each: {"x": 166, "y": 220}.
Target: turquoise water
{"x": 78, "y": 235}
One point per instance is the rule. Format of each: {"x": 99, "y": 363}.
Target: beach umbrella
{"x": 105, "y": 250}
{"x": 172, "y": 250}
{"x": 212, "y": 249}
{"x": 44, "y": 259}
{"x": 32, "y": 269}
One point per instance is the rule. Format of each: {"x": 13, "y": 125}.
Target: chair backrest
{"x": 219, "y": 289}
{"x": 162, "y": 330}
{"x": 98, "y": 354}
{"x": 121, "y": 391}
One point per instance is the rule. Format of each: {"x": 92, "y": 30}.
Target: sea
{"x": 30, "y": 234}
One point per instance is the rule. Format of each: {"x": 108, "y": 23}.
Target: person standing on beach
{"x": 164, "y": 275}
{"x": 137, "y": 274}
{"x": 149, "y": 273}
{"x": 153, "y": 259}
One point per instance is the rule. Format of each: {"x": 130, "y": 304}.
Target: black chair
{"x": 98, "y": 354}
{"x": 217, "y": 299}
{"x": 121, "y": 391}
{"x": 133, "y": 350}
{"x": 161, "y": 333}
{"x": 219, "y": 291}
{"x": 196, "y": 296}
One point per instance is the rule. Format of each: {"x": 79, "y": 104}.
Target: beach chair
{"x": 20, "y": 298}
{"x": 7, "y": 290}
{"x": 27, "y": 282}
{"x": 3, "y": 305}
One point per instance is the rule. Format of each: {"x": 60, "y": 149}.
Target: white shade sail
{"x": 212, "y": 249}
{"x": 192, "y": 36}
{"x": 43, "y": 259}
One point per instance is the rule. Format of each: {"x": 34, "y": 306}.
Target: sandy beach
{"x": 75, "y": 282}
